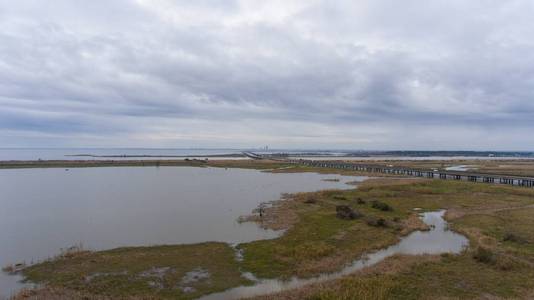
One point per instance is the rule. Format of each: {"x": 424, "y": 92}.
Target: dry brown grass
{"x": 48, "y": 293}
{"x": 391, "y": 265}
{"x": 412, "y": 224}
{"x": 279, "y": 215}
{"x": 389, "y": 181}
{"x": 456, "y": 213}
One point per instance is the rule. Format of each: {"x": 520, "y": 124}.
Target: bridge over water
{"x": 436, "y": 174}
{"x": 444, "y": 175}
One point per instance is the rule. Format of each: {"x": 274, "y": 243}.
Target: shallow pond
{"x": 435, "y": 241}
{"x": 44, "y": 210}
{"x": 462, "y": 168}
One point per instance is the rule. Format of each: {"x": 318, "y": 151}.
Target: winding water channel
{"x": 439, "y": 239}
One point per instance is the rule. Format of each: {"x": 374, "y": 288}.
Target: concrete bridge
{"x": 444, "y": 175}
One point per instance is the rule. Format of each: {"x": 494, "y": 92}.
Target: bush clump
{"x": 513, "y": 237}
{"x": 381, "y": 206}
{"x": 310, "y": 199}
{"x": 484, "y": 255}
{"x": 360, "y": 201}
{"x": 346, "y": 213}
{"x": 376, "y": 222}
{"x": 340, "y": 197}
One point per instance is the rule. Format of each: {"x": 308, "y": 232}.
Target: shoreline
{"x": 33, "y": 164}
{"x": 316, "y": 240}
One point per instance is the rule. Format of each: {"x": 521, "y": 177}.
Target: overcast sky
{"x": 449, "y": 74}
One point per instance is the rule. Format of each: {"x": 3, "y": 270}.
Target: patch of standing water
{"x": 462, "y": 168}
{"x": 439, "y": 239}
{"x": 190, "y": 277}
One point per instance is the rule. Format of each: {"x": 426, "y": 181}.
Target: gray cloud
{"x": 321, "y": 74}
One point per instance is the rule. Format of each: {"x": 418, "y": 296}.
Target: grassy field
{"x": 160, "y": 272}
{"x": 450, "y": 277}
{"x": 498, "y": 220}
{"x": 319, "y": 241}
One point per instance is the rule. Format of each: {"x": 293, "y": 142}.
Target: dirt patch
{"x": 276, "y": 215}
{"x": 413, "y": 223}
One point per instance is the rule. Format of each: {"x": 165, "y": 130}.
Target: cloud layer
{"x": 301, "y": 74}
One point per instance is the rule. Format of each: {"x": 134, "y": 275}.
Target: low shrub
{"x": 346, "y": 213}
{"x": 484, "y": 255}
{"x": 513, "y": 237}
{"x": 310, "y": 199}
{"x": 376, "y": 222}
{"x": 381, "y": 206}
{"x": 360, "y": 201}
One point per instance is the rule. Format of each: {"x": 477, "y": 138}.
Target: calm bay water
{"x": 44, "y": 210}
{"x": 67, "y": 153}
{"x": 159, "y": 154}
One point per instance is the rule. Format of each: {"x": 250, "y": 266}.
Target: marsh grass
{"x": 381, "y": 206}
{"x": 484, "y": 255}
{"x": 498, "y": 221}
{"x": 121, "y": 272}
{"x": 364, "y": 288}
{"x": 514, "y": 237}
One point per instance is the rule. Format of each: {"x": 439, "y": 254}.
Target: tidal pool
{"x": 45, "y": 210}
{"x": 439, "y": 239}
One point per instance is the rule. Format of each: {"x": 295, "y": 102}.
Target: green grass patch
{"x": 159, "y": 271}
